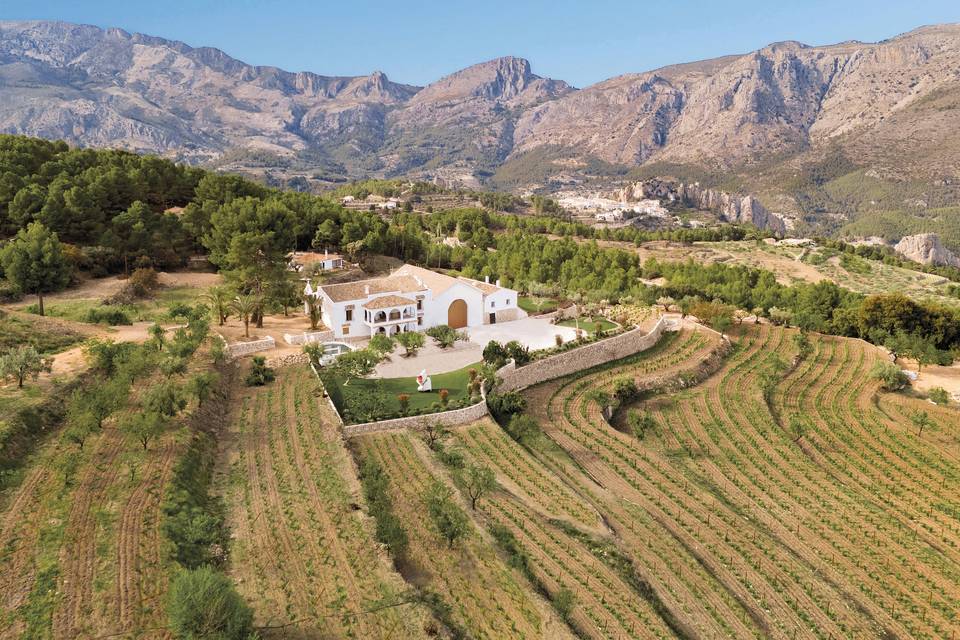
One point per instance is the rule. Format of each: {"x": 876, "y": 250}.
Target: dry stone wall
{"x": 447, "y": 418}
{"x": 308, "y": 337}
{"x": 585, "y": 357}
{"x": 288, "y": 360}
{"x": 243, "y": 348}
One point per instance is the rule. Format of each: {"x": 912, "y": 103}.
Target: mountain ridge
{"x": 109, "y": 87}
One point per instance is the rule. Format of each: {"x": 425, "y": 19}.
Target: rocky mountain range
{"x": 893, "y": 106}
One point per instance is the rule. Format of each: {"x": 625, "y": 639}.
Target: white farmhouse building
{"x": 412, "y": 299}
{"x": 325, "y": 261}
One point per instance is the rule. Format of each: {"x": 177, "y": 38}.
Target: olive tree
{"x": 478, "y": 481}
{"x": 23, "y": 362}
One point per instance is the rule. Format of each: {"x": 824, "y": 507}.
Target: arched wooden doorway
{"x": 457, "y": 314}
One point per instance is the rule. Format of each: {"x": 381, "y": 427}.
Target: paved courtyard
{"x": 532, "y": 332}
{"x": 430, "y": 357}
{"x": 535, "y": 333}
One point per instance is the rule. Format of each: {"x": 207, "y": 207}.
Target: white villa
{"x": 412, "y": 299}
{"x": 325, "y": 261}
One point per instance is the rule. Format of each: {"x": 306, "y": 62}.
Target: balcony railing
{"x": 407, "y": 317}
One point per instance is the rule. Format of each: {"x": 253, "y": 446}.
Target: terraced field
{"x": 563, "y": 534}
{"x": 303, "y": 554}
{"x": 813, "y": 511}
{"x": 744, "y": 529}
{"x": 487, "y": 598}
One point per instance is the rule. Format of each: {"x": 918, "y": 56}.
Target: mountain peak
{"x": 506, "y": 79}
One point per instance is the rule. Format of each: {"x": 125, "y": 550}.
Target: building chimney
{"x": 486, "y": 279}
{"x": 498, "y": 282}
{"x": 366, "y": 289}
{"x": 325, "y": 252}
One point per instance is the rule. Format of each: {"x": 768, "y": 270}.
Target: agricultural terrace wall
{"x": 288, "y": 360}
{"x": 585, "y": 357}
{"x": 243, "y": 348}
{"x": 452, "y": 418}
{"x": 308, "y": 337}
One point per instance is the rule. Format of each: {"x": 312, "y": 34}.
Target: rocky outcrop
{"x": 926, "y": 248}
{"x": 737, "y": 208}
{"x": 733, "y": 207}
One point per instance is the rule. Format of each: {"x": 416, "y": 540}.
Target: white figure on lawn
{"x": 423, "y": 382}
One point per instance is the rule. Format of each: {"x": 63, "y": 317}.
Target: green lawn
{"x": 529, "y": 304}
{"x": 384, "y": 391}
{"x": 590, "y": 326}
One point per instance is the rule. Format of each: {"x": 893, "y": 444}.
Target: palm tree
{"x": 219, "y": 299}
{"x": 314, "y": 310}
{"x": 245, "y": 306}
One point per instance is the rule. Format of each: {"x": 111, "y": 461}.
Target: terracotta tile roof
{"x": 358, "y": 290}
{"x": 485, "y": 287}
{"x": 388, "y": 301}
{"x": 311, "y": 257}
{"x": 436, "y": 282}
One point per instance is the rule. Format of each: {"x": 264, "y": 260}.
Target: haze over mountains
{"x": 894, "y": 106}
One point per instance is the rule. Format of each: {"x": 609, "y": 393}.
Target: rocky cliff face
{"x": 738, "y": 208}
{"x": 926, "y": 248}
{"x": 725, "y": 111}
{"x": 894, "y": 103}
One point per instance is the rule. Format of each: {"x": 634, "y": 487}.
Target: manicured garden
{"x": 592, "y": 326}
{"x": 365, "y": 399}
{"x": 535, "y": 305}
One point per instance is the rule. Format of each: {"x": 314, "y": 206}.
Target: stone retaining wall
{"x": 288, "y": 360}
{"x": 452, "y": 418}
{"x": 580, "y": 358}
{"x": 308, "y": 337}
{"x": 243, "y": 348}
{"x": 326, "y": 395}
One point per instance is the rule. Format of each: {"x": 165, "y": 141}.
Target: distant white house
{"x": 651, "y": 207}
{"x": 796, "y": 242}
{"x": 325, "y": 261}
{"x": 412, "y": 299}
{"x": 347, "y": 199}
{"x": 616, "y": 215}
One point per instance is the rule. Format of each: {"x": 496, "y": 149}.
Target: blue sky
{"x": 419, "y": 41}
